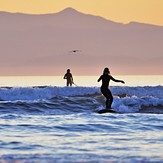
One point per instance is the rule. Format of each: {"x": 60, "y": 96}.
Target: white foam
{"x": 134, "y": 104}
{"x": 30, "y": 93}
{"x": 132, "y": 98}
{"x": 156, "y": 91}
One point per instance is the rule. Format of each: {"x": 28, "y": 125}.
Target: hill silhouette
{"x": 41, "y": 44}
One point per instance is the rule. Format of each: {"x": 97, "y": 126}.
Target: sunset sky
{"x": 124, "y": 11}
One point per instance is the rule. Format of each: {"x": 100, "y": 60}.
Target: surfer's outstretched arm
{"x": 116, "y": 80}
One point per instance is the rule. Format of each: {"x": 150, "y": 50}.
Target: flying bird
{"x": 74, "y": 51}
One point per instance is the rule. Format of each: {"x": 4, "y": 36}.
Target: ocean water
{"x": 43, "y": 121}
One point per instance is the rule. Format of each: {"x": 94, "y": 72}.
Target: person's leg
{"x": 107, "y": 103}
{"x": 109, "y": 98}
{"x": 67, "y": 83}
{"x": 70, "y": 83}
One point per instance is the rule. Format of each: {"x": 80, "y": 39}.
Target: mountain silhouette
{"x": 40, "y": 44}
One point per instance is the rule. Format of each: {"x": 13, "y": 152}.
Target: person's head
{"x": 68, "y": 70}
{"x": 106, "y": 71}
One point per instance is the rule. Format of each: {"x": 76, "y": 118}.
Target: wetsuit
{"x": 104, "y": 89}
{"x": 69, "y": 78}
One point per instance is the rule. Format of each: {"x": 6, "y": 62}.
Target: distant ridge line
{"x": 71, "y": 10}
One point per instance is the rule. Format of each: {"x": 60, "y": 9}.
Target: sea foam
{"x": 48, "y": 92}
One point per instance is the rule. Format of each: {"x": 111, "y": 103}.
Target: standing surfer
{"x": 106, "y": 77}
{"x": 69, "y": 78}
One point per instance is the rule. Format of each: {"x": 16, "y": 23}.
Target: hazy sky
{"x": 138, "y": 52}
{"x": 145, "y": 11}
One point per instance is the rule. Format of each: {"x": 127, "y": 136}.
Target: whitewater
{"x": 62, "y": 124}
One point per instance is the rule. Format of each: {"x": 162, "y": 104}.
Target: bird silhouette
{"x": 74, "y": 51}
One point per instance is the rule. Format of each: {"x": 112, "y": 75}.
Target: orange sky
{"x": 145, "y": 11}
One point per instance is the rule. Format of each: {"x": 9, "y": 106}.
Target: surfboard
{"x": 106, "y": 111}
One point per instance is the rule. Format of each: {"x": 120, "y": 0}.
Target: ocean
{"x": 43, "y": 121}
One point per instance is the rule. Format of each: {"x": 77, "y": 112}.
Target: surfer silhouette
{"x": 106, "y": 77}
{"x": 69, "y": 78}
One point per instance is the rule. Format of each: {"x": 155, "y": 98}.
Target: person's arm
{"x": 99, "y": 78}
{"x": 65, "y": 77}
{"x": 116, "y": 80}
{"x": 72, "y": 80}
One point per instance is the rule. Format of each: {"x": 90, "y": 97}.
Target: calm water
{"x": 43, "y": 121}
{"x": 88, "y": 81}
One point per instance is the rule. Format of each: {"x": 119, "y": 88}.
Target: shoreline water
{"x": 89, "y": 81}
